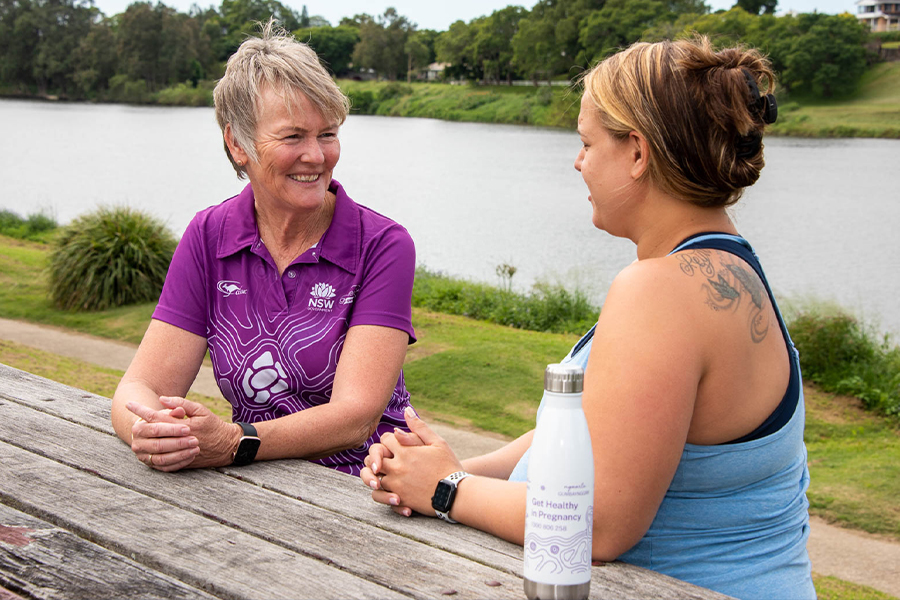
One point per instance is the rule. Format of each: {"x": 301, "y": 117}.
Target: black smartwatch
{"x": 445, "y": 494}
{"x": 247, "y": 447}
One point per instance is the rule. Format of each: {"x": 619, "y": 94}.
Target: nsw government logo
{"x": 321, "y": 297}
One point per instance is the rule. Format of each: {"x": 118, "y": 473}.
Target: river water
{"x": 823, "y": 216}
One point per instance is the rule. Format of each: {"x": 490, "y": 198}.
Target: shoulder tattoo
{"x": 727, "y": 283}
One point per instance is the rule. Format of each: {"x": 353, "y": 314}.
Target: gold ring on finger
{"x": 150, "y": 460}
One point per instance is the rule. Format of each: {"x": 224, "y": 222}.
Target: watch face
{"x": 443, "y": 496}
{"x": 246, "y": 451}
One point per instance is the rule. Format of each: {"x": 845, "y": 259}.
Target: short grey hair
{"x": 278, "y": 61}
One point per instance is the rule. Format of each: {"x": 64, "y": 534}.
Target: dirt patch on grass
{"x": 834, "y": 408}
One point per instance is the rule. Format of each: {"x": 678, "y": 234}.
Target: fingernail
{"x": 410, "y": 412}
{"x": 184, "y": 430}
{"x": 373, "y": 484}
{"x": 407, "y": 512}
{"x": 399, "y": 432}
{"x": 374, "y": 467}
{"x": 393, "y": 501}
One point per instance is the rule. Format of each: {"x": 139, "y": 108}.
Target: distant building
{"x": 435, "y": 70}
{"x": 879, "y": 15}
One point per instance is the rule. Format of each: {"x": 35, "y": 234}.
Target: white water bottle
{"x": 560, "y": 503}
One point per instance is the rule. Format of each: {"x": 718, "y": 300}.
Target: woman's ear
{"x": 640, "y": 155}
{"x": 237, "y": 153}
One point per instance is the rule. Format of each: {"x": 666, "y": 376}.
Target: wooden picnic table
{"x": 80, "y": 517}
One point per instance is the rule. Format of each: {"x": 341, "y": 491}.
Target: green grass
{"x": 85, "y": 376}
{"x": 873, "y": 111}
{"x": 23, "y": 295}
{"x": 832, "y": 588}
{"x": 854, "y": 461}
{"x": 476, "y": 374}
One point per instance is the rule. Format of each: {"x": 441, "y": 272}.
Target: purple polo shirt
{"x": 275, "y": 341}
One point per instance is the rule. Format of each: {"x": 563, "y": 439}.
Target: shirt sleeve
{"x": 182, "y": 302}
{"x": 388, "y": 270}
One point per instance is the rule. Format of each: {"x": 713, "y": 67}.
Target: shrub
{"x": 546, "y": 308}
{"x": 842, "y": 356}
{"x": 33, "y": 228}
{"x": 108, "y": 258}
{"x": 394, "y": 89}
{"x": 362, "y": 101}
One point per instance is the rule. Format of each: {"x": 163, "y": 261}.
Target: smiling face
{"x": 605, "y": 164}
{"x": 297, "y": 149}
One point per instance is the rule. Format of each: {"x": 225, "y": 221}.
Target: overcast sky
{"x": 439, "y": 14}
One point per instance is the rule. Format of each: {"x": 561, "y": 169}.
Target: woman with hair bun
{"x": 692, "y": 386}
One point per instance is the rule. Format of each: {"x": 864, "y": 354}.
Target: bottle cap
{"x": 564, "y": 379}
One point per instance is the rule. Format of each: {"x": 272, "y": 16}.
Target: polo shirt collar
{"x": 341, "y": 244}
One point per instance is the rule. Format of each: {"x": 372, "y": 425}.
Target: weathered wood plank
{"x": 196, "y": 550}
{"x": 55, "y": 398}
{"x": 327, "y": 536}
{"x": 40, "y": 560}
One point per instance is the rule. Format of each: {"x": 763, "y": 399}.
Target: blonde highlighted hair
{"x": 693, "y": 106}
{"x": 276, "y": 61}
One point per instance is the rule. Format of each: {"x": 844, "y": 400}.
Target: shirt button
{"x": 292, "y": 274}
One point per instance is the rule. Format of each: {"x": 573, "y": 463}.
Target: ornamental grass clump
{"x": 109, "y": 258}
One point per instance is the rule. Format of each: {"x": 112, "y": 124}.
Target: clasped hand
{"x": 405, "y": 468}
{"x": 183, "y": 435}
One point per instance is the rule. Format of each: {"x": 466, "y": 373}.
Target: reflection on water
{"x": 473, "y": 195}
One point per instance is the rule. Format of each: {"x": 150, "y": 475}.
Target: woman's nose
{"x": 578, "y": 160}
{"x": 312, "y": 153}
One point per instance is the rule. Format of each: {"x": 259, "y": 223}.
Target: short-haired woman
{"x": 301, "y": 296}
{"x": 692, "y": 387}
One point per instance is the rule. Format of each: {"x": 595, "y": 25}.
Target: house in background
{"x": 879, "y": 15}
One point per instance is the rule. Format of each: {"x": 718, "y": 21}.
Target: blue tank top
{"x": 735, "y": 517}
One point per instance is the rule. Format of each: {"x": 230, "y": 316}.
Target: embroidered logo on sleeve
{"x": 321, "y": 297}
{"x": 230, "y": 288}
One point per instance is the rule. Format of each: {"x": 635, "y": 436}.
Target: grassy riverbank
{"x": 872, "y": 111}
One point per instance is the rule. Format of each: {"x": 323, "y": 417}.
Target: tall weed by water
{"x": 546, "y": 308}
{"x": 842, "y": 356}
{"x": 108, "y": 258}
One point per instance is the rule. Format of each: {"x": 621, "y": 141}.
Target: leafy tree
{"x": 417, "y": 53}
{"x": 38, "y": 40}
{"x": 382, "y": 44}
{"x": 18, "y": 42}
{"x": 304, "y": 18}
{"x": 96, "y": 59}
{"x": 493, "y": 42}
{"x": 157, "y": 44}
{"x": 454, "y": 46}
{"x": 547, "y": 41}
{"x": 618, "y": 24}
{"x": 334, "y": 45}
{"x": 240, "y": 17}
{"x": 755, "y": 7}
{"x": 828, "y": 57}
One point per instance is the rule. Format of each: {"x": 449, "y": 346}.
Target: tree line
{"x": 70, "y": 48}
